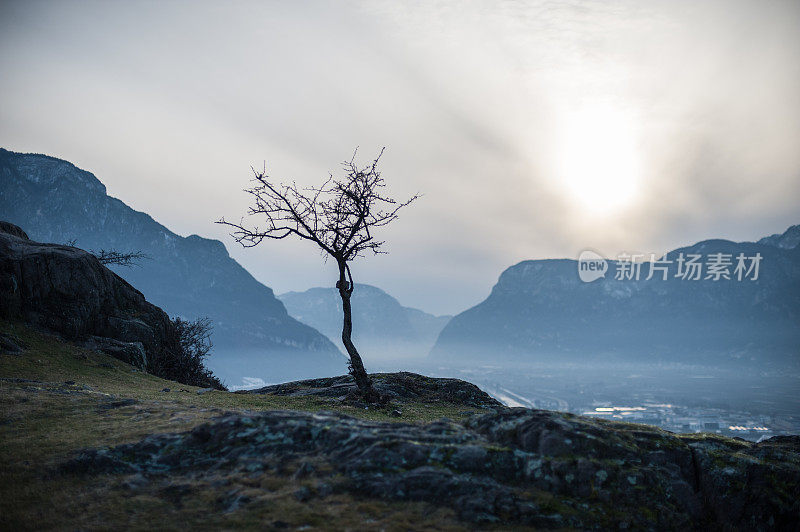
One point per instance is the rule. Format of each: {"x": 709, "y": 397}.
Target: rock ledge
{"x": 513, "y": 467}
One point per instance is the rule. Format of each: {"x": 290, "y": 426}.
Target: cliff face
{"x": 186, "y": 276}
{"x": 540, "y": 310}
{"x": 68, "y": 291}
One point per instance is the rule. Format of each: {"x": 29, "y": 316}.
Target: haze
{"x": 533, "y": 129}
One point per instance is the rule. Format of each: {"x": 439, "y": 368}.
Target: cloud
{"x": 469, "y": 98}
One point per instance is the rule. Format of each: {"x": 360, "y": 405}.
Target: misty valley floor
{"x": 680, "y": 398}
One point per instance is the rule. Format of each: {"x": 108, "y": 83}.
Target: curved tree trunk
{"x": 357, "y": 370}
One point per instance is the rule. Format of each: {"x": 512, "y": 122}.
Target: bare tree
{"x": 121, "y": 259}
{"x": 340, "y": 217}
{"x": 112, "y": 256}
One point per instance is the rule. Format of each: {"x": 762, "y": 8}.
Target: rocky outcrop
{"x": 68, "y": 291}
{"x": 511, "y": 467}
{"x": 397, "y": 387}
{"x": 11, "y": 229}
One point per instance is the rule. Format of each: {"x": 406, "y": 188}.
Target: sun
{"x": 598, "y": 159}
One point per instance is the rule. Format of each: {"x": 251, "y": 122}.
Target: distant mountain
{"x": 53, "y": 201}
{"x": 382, "y": 327}
{"x": 789, "y": 239}
{"x": 540, "y": 310}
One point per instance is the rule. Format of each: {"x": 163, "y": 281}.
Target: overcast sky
{"x": 533, "y": 129}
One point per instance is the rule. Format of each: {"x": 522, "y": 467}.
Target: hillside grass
{"x": 57, "y": 398}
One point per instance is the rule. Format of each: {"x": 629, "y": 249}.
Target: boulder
{"x": 11, "y": 345}
{"x": 132, "y": 353}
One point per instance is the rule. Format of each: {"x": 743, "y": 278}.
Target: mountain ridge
{"x": 789, "y": 239}
{"x": 381, "y": 325}
{"x": 541, "y": 310}
{"x": 54, "y": 200}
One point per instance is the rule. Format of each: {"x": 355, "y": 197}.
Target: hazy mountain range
{"x": 540, "y": 310}
{"x": 53, "y": 201}
{"x": 382, "y": 327}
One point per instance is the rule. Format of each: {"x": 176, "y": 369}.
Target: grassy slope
{"x": 73, "y": 398}
{"x": 56, "y": 399}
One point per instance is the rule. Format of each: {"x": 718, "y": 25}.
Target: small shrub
{"x": 185, "y": 363}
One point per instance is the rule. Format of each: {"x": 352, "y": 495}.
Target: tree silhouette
{"x": 340, "y": 217}
{"x": 112, "y": 256}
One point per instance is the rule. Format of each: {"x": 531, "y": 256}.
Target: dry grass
{"x": 64, "y": 407}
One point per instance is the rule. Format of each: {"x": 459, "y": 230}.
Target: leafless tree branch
{"x": 120, "y": 259}
{"x": 340, "y": 217}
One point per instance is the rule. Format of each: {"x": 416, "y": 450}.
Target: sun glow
{"x": 598, "y": 159}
